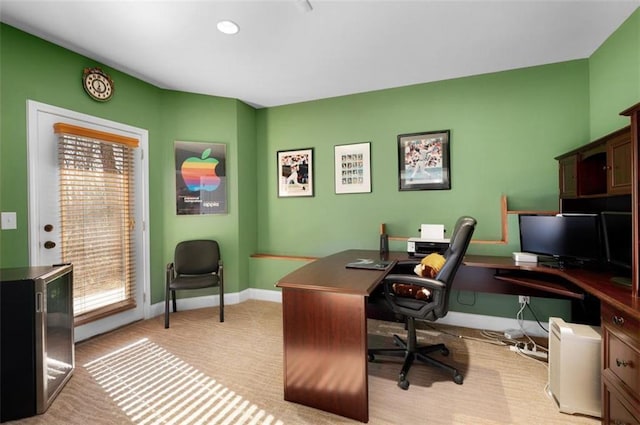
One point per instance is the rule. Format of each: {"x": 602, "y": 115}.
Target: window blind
{"x": 97, "y": 219}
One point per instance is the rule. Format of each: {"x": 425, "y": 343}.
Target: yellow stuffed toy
{"x": 429, "y": 267}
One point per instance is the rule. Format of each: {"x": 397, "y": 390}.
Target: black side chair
{"x": 432, "y": 309}
{"x": 196, "y": 265}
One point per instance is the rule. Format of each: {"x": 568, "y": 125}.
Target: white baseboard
{"x": 454, "y": 318}
{"x": 492, "y": 323}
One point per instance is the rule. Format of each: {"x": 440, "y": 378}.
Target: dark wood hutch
{"x": 603, "y": 175}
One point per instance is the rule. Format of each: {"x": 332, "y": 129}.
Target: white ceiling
{"x": 284, "y": 54}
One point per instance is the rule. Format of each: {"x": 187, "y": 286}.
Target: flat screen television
{"x": 570, "y": 239}
{"x": 617, "y": 237}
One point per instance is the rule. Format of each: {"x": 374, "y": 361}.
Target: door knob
{"x": 49, "y": 244}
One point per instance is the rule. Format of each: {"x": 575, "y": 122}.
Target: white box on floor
{"x": 574, "y": 367}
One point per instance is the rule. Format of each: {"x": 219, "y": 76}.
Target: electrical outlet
{"x": 523, "y": 299}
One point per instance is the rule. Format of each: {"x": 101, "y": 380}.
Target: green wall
{"x": 614, "y": 78}
{"x": 200, "y": 118}
{"x": 506, "y": 128}
{"x": 31, "y": 68}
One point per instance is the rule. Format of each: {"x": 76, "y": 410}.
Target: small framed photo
{"x": 353, "y": 168}
{"x": 295, "y": 173}
{"x": 423, "y": 161}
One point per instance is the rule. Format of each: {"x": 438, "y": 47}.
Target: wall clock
{"x": 97, "y": 84}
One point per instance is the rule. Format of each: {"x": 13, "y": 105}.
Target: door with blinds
{"x": 88, "y": 202}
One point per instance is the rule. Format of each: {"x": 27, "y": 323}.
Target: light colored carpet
{"x": 203, "y": 371}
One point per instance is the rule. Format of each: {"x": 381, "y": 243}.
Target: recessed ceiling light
{"x": 228, "y": 27}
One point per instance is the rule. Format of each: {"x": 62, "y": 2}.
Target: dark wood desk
{"x": 324, "y": 308}
{"x": 570, "y": 283}
{"x": 325, "y": 334}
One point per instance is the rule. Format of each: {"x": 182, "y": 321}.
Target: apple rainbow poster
{"x": 200, "y": 178}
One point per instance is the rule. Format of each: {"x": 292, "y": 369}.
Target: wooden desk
{"x": 324, "y": 308}
{"x": 325, "y": 334}
{"x": 569, "y": 283}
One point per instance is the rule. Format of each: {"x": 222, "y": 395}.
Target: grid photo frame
{"x": 353, "y": 168}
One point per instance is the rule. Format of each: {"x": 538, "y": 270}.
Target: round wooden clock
{"x": 97, "y": 84}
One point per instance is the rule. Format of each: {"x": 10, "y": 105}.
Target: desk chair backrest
{"x": 196, "y": 257}
{"x": 458, "y": 244}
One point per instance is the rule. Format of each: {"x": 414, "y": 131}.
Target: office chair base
{"x": 411, "y": 352}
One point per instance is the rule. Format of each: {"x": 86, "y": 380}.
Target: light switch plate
{"x": 9, "y": 221}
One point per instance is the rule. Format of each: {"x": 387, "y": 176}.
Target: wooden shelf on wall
{"x": 504, "y": 239}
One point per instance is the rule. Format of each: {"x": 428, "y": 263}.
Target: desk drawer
{"x": 621, "y": 322}
{"x": 618, "y": 413}
{"x": 623, "y": 361}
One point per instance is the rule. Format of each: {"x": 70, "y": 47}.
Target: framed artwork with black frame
{"x": 201, "y": 178}
{"x": 295, "y": 173}
{"x": 423, "y": 161}
{"x": 353, "y": 168}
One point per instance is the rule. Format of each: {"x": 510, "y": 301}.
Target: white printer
{"x": 417, "y": 247}
{"x": 431, "y": 240}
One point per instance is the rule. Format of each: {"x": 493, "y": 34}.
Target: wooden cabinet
{"x": 569, "y": 176}
{"x": 620, "y": 367}
{"x": 619, "y": 164}
{"x": 598, "y": 169}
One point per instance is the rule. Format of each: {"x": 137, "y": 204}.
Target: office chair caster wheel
{"x": 444, "y": 351}
{"x": 457, "y": 378}
{"x": 404, "y": 384}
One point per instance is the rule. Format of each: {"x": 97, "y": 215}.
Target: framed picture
{"x": 295, "y": 173}
{"x": 423, "y": 161}
{"x": 353, "y": 168}
{"x": 201, "y": 179}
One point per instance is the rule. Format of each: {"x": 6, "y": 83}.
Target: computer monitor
{"x": 571, "y": 239}
{"x": 617, "y": 236}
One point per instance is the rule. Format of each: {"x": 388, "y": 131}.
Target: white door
{"x": 44, "y": 219}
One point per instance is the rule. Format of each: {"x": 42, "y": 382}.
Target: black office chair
{"x": 196, "y": 265}
{"x": 431, "y": 309}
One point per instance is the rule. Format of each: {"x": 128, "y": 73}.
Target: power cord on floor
{"x": 530, "y": 349}
{"x": 526, "y": 348}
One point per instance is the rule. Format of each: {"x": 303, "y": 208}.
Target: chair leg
{"x": 221, "y": 306}
{"x": 403, "y": 382}
{"x": 166, "y": 308}
{"x": 457, "y": 377}
{"x": 173, "y": 298}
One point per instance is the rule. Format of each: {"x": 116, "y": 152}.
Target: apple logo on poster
{"x": 200, "y": 173}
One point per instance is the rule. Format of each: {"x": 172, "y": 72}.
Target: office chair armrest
{"x": 405, "y": 266}
{"x": 414, "y": 305}
{"x": 170, "y": 270}
{"x": 432, "y": 284}
{"x": 168, "y": 276}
